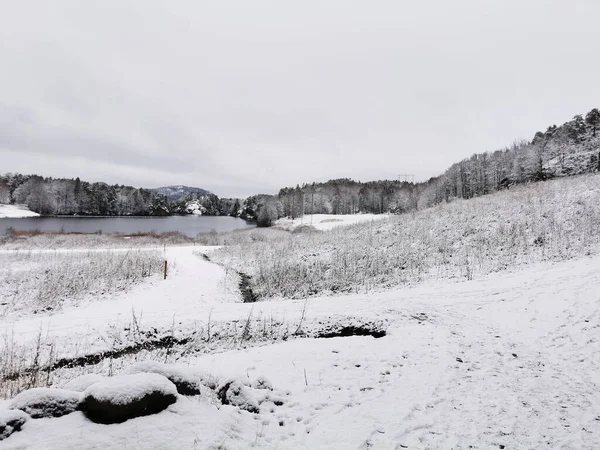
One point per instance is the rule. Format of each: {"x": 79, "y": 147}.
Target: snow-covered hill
{"x": 550, "y": 220}
{"x": 176, "y": 193}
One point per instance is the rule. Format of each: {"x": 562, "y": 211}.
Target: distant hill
{"x": 177, "y": 193}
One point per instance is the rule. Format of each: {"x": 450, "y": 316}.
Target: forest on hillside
{"x": 61, "y": 196}
{"x": 570, "y": 149}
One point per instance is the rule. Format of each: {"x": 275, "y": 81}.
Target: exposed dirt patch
{"x": 95, "y": 358}
{"x": 353, "y": 330}
{"x": 245, "y": 284}
{"x": 248, "y": 295}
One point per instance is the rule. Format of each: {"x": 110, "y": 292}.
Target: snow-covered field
{"x": 325, "y": 222}
{"x": 500, "y": 359}
{"x": 16, "y": 212}
{"x": 37, "y": 281}
{"x": 507, "y": 360}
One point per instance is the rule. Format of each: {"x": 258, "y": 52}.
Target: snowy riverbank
{"x": 16, "y": 212}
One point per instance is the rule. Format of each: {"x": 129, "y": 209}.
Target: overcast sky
{"x": 243, "y": 97}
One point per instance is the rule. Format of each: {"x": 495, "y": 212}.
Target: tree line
{"x": 62, "y": 196}
{"x": 570, "y": 149}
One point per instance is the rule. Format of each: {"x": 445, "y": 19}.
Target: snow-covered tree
{"x": 4, "y": 192}
{"x": 593, "y": 119}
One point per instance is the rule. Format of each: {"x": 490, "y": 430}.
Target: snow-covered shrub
{"x": 10, "y": 421}
{"x": 47, "y": 402}
{"x": 262, "y": 383}
{"x": 235, "y": 393}
{"x": 82, "y": 382}
{"x": 125, "y": 397}
{"x": 63, "y": 241}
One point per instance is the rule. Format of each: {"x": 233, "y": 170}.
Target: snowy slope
{"x": 507, "y": 360}
{"x": 325, "y": 222}
{"x": 553, "y": 220}
{"x": 16, "y": 212}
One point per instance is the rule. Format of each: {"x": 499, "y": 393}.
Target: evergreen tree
{"x": 593, "y": 119}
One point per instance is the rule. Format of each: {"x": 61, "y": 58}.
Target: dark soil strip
{"x": 352, "y": 331}
{"x": 248, "y": 295}
{"x": 95, "y": 358}
{"x": 245, "y": 285}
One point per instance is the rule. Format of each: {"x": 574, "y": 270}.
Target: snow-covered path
{"x": 192, "y": 285}
{"x": 508, "y": 361}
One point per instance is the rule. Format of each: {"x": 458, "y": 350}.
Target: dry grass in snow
{"x": 239, "y": 237}
{"x": 466, "y": 238}
{"x": 42, "y": 281}
{"x": 35, "y": 240}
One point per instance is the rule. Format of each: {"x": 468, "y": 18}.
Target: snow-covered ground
{"x": 192, "y": 284}
{"x": 16, "y": 212}
{"x": 325, "y": 222}
{"x": 509, "y": 360}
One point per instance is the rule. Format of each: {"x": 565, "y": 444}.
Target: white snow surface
{"x": 175, "y": 374}
{"x": 510, "y": 359}
{"x": 326, "y": 222}
{"x": 187, "y": 424}
{"x": 9, "y": 420}
{"x": 81, "y": 383}
{"x": 16, "y": 212}
{"x": 9, "y": 415}
{"x": 125, "y": 389}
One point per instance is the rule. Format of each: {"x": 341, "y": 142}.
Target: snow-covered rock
{"x": 46, "y": 402}
{"x": 125, "y": 397}
{"x": 11, "y": 420}
{"x": 185, "y": 381}
{"x": 81, "y": 383}
{"x": 235, "y": 393}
